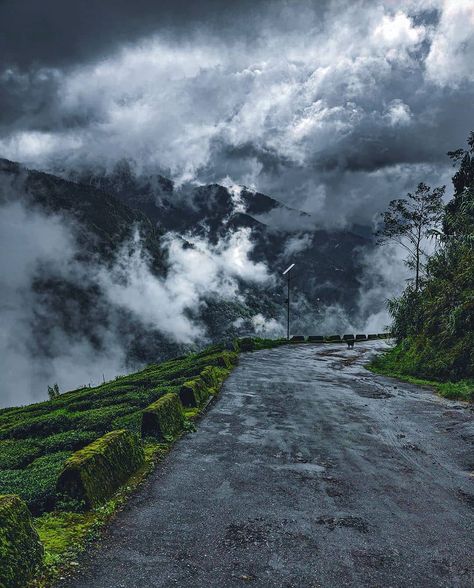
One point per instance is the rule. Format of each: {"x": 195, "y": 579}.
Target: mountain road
{"x": 307, "y": 471}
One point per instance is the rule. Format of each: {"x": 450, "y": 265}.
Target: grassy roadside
{"x": 65, "y": 531}
{"x": 65, "y": 535}
{"x": 392, "y": 364}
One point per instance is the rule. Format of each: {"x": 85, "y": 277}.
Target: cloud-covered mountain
{"x": 115, "y": 269}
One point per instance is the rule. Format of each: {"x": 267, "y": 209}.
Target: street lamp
{"x": 287, "y": 274}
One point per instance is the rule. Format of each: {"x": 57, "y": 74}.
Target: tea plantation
{"x": 36, "y": 440}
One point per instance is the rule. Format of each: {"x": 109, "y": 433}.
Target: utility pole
{"x": 287, "y": 274}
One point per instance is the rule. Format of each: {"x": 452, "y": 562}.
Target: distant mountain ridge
{"x": 108, "y": 207}
{"x": 329, "y": 260}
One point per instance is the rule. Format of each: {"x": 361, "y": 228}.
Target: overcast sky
{"x": 333, "y": 106}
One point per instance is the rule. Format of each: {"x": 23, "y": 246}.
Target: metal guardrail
{"x": 339, "y": 338}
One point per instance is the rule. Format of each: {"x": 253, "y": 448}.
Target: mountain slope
{"x": 328, "y": 262}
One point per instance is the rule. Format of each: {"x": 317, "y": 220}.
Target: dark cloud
{"x": 335, "y": 107}
{"x": 56, "y": 33}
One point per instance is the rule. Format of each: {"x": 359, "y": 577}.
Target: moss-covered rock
{"x": 214, "y": 376}
{"x": 227, "y": 359}
{"x": 21, "y": 551}
{"x": 194, "y": 392}
{"x": 93, "y": 474}
{"x": 164, "y": 418}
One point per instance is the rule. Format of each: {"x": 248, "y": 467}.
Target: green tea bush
{"x": 35, "y": 440}
{"x": 99, "y": 419}
{"x": 19, "y": 453}
{"x": 67, "y": 441}
{"x": 35, "y": 484}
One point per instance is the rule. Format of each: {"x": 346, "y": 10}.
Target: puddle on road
{"x": 306, "y": 468}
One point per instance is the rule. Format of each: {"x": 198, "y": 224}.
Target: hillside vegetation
{"x": 434, "y": 326}
{"x": 75, "y": 459}
{"x": 36, "y": 440}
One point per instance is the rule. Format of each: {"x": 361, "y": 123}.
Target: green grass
{"x": 396, "y": 364}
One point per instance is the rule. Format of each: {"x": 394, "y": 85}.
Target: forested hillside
{"x": 434, "y": 326}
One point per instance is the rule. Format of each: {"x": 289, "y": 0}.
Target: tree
{"x": 410, "y": 222}
{"x": 459, "y": 219}
{"x": 53, "y": 391}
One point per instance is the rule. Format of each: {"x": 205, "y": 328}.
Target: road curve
{"x": 308, "y": 471}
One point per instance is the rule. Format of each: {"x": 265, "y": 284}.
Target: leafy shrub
{"x": 67, "y": 441}
{"x": 40, "y": 426}
{"x": 132, "y": 422}
{"x": 16, "y": 454}
{"x": 99, "y": 419}
{"x": 36, "y": 484}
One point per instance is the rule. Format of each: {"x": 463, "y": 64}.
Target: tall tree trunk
{"x": 417, "y": 269}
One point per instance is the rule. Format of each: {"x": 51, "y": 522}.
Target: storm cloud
{"x": 332, "y": 107}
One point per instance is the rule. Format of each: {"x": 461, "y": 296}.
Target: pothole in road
{"x": 253, "y": 532}
{"x": 466, "y": 497}
{"x": 373, "y": 558}
{"x": 366, "y": 390}
{"x": 258, "y": 533}
{"x": 351, "y": 522}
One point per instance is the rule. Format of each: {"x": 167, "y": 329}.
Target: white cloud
{"x": 398, "y": 113}
{"x": 452, "y": 49}
{"x": 276, "y": 112}
{"x": 38, "y": 244}
{"x": 396, "y": 34}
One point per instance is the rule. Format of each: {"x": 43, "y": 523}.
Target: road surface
{"x": 308, "y": 471}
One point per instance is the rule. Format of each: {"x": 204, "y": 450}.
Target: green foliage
{"x": 164, "y": 418}
{"x": 21, "y": 552}
{"x": 35, "y": 484}
{"x": 16, "y": 454}
{"x": 92, "y": 474}
{"x": 74, "y": 419}
{"x": 435, "y": 325}
{"x": 401, "y": 362}
{"x": 67, "y": 441}
{"x": 53, "y": 391}
{"x": 410, "y": 221}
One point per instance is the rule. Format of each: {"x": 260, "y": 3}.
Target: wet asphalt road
{"x": 308, "y": 471}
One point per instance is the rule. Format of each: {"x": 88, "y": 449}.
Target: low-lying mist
{"x": 51, "y": 334}
{"x": 40, "y": 345}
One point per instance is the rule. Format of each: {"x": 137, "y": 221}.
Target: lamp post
{"x": 287, "y": 274}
